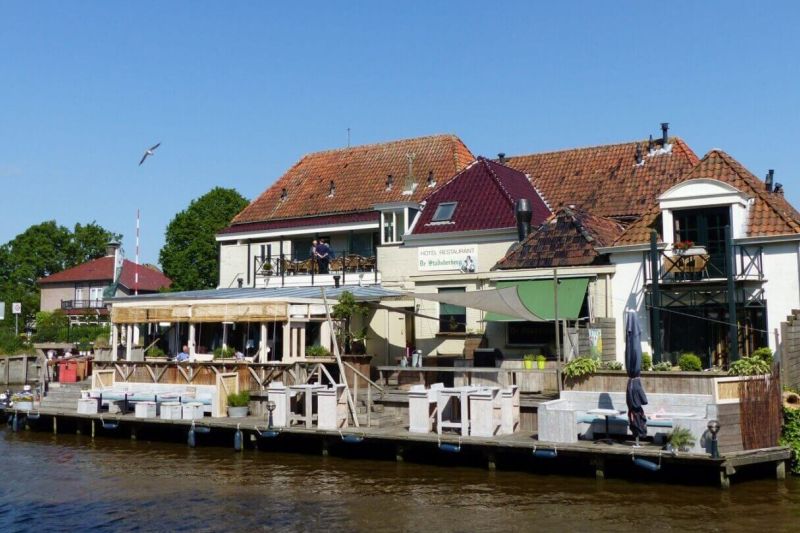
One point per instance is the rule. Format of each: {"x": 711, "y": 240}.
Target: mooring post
{"x": 491, "y": 460}
{"x": 398, "y": 453}
{"x": 324, "y": 447}
{"x": 77, "y": 427}
{"x": 599, "y": 468}
{"x": 55, "y": 425}
{"x": 133, "y": 432}
{"x": 780, "y": 470}
{"x": 724, "y": 479}
{"x": 92, "y": 429}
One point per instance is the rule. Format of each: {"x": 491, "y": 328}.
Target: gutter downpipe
{"x": 733, "y": 333}
{"x": 656, "y": 303}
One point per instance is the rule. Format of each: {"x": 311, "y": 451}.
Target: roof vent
{"x": 501, "y": 158}
{"x": 650, "y": 144}
{"x": 389, "y": 182}
{"x": 284, "y": 194}
{"x": 664, "y": 134}
{"x": 639, "y": 159}
{"x": 778, "y": 188}
{"x": 769, "y": 180}
{"x": 431, "y": 181}
{"x": 331, "y": 189}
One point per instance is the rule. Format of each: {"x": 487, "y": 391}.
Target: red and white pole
{"x": 136, "y": 266}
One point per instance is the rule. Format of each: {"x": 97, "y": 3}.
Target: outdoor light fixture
{"x": 713, "y": 428}
{"x": 270, "y": 407}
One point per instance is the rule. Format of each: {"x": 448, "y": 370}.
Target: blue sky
{"x": 238, "y": 91}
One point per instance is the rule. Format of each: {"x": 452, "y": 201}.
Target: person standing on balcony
{"x": 323, "y": 256}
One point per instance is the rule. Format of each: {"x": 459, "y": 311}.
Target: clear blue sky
{"x": 238, "y": 91}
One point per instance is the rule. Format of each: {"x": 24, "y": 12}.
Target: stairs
{"x": 378, "y": 417}
{"x": 63, "y": 396}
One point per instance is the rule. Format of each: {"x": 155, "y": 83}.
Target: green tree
{"x": 39, "y": 251}
{"x": 189, "y": 256}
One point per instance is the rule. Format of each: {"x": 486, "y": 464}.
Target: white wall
{"x": 627, "y": 292}
{"x": 782, "y": 289}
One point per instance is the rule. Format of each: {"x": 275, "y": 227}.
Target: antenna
{"x": 348, "y": 137}
{"x": 136, "y": 265}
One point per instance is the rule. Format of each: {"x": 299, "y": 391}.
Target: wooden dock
{"x": 520, "y": 451}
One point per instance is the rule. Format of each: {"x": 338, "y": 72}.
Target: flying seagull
{"x": 150, "y": 151}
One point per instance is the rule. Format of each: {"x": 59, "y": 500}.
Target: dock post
{"x": 92, "y": 429}
{"x": 55, "y": 425}
{"x": 133, "y": 432}
{"x": 324, "y": 447}
{"x": 780, "y": 470}
{"x": 398, "y": 453}
{"x": 599, "y": 468}
{"x": 724, "y": 479}
{"x": 491, "y": 460}
{"x": 77, "y": 427}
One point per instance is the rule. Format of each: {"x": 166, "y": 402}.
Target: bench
{"x": 567, "y": 419}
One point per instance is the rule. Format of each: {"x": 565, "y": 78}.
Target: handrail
{"x": 468, "y": 369}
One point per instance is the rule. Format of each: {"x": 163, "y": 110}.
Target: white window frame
{"x": 397, "y": 233}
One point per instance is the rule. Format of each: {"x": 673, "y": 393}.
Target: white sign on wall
{"x": 462, "y": 257}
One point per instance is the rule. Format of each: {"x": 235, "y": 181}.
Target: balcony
{"x": 697, "y": 265}
{"x": 290, "y": 271}
{"x": 83, "y": 306}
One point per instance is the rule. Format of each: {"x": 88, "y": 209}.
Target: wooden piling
{"x": 491, "y": 460}
{"x": 398, "y": 453}
{"x": 780, "y": 470}
{"x": 599, "y": 464}
{"x": 55, "y": 425}
{"x": 325, "y": 447}
{"x": 133, "y": 432}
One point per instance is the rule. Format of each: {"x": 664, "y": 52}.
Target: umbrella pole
{"x": 555, "y": 320}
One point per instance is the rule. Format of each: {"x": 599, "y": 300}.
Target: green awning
{"x": 538, "y": 297}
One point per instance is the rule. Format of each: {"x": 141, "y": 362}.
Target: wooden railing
{"x": 528, "y": 380}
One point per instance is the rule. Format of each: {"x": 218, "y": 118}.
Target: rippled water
{"x": 66, "y": 482}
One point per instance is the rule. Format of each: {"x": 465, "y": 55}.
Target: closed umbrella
{"x": 635, "y": 397}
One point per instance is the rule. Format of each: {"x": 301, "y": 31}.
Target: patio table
{"x": 443, "y": 398}
{"x": 605, "y": 413}
{"x": 307, "y": 390}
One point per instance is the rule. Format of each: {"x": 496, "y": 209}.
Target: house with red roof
{"x": 81, "y": 291}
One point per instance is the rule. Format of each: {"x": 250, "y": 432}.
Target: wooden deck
{"x": 398, "y": 441}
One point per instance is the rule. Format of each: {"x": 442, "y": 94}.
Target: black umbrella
{"x": 635, "y": 397}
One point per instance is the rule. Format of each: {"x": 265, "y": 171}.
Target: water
{"x": 66, "y": 482}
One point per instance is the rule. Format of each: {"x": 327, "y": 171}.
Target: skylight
{"x": 444, "y": 211}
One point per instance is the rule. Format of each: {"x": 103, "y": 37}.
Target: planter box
{"x": 192, "y": 411}
{"x": 361, "y": 363}
{"x": 26, "y": 406}
{"x": 653, "y": 382}
{"x": 87, "y": 406}
{"x": 238, "y": 412}
{"x": 171, "y": 411}
{"x": 146, "y": 409}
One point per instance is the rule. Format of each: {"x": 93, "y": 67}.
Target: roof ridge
{"x": 674, "y": 139}
{"x": 498, "y": 182}
{"x": 451, "y": 136}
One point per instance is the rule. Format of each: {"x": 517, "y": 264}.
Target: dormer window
{"x": 389, "y": 182}
{"x": 444, "y": 212}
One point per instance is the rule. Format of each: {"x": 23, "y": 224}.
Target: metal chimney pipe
{"x": 524, "y": 214}
{"x": 664, "y": 133}
{"x": 501, "y": 158}
{"x": 769, "y": 180}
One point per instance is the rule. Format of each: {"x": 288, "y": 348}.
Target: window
{"x": 705, "y": 227}
{"x": 394, "y": 225}
{"x": 96, "y": 295}
{"x": 531, "y": 333}
{"x": 444, "y": 211}
{"x": 452, "y": 318}
{"x": 389, "y": 233}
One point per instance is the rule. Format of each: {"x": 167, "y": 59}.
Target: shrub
{"x": 221, "y": 352}
{"x": 155, "y": 351}
{"x": 647, "y": 362}
{"x": 239, "y": 399}
{"x": 581, "y": 366}
{"x": 317, "y": 351}
{"x": 690, "y": 362}
{"x": 681, "y": 438}
{"x": 750, "y": 366}
{"x": 763, "y": 353}
{"x": 611, "y": 365}
{"x": 663, "y": 366}
{"x": 790, "y": 436}
{"x": 101, "y": 343}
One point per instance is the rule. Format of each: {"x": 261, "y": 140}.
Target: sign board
{"x": 16, "y": 308}
{"x": 595, "y": 342}
{"x": 2, "y": 310}
{"x": 463, "y": 257}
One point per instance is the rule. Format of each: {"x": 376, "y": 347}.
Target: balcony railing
{"x": 344, "y": 265}
{"x": 68, "y": 305}
{"x": 697, "y": 265}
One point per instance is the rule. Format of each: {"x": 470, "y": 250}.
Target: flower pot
{"x": 527, "y": 362}
{"x": 237, "y": 412}
{"x": 541, "y": 364}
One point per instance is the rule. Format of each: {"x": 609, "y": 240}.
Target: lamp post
{"x": 713, "y": 428}
{"x": 270, "y": 407}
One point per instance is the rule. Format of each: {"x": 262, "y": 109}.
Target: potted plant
{"x": 222, "y": 353}
{"x": 345, "y": 309}
{"x": 238, "y": 404}
{"x": 681, "y": 247}
{"x": 266, "y": 268}
{"x": 317, "y": 351}
{"x": 527, "y": 361}
{"x": 681, "y": 439}
{"x": 541, "y": 360}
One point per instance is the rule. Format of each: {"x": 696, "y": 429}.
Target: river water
{"x": 70, "y": 482}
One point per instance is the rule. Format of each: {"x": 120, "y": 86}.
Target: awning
{"x": 538, "y": 298}
{"x": 505, "y": 301}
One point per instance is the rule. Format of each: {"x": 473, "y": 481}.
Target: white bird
{"x": 150, "y": 151}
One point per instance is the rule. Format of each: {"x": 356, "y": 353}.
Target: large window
{"x": 531, "y": 333}
{"x": 704, "y": 227}
{"x": 452, "y": 318}
{"x": 394, "y": 225}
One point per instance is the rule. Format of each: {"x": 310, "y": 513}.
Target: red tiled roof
{"x": 150, "y": 278}
{"x": 605, "y": 180}
{"x": 359, "y": 175}
{"x": 486, "y": 192}
{"x": 770, "y": 213}
{"x": 102, "y": 269}
{"x": 323, "y": 220}
{"x": 568, "y": 238}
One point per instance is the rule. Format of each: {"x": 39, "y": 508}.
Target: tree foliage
{"x": 41, "y": 250}
{"x": 189, "y": 256}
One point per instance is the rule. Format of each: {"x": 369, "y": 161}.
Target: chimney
{"x": 769, "y": 179}
{"x": 389, "y": 182}
{"x": 501, "y": 158}
{"x": 664, "y": 134}
{"x": 284, "y": 194}
{"x": 111, "y": 248}
{"x": 524, "y": 214}
{"x": 650, "y": 144}
{"x": 639, "y": 153}
{"x": 778, "y": 188}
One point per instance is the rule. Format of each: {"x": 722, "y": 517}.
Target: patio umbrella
{"x": 635, "y": 397}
